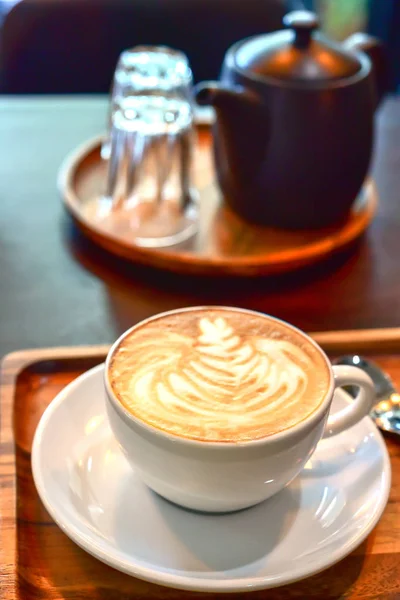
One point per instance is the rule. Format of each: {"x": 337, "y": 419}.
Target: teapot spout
{"x": 241, "y": 131}
{"x": 375, "y": 50}
{"x": 208, "y": 93}
{"x": 220, "y": 96}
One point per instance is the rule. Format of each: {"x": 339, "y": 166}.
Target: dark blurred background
{"x": 71, "y": 46}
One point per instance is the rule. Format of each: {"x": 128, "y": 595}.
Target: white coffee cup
{"x": 220, "y": 476}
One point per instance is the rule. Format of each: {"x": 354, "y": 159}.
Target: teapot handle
{"x": 375, "y": 49}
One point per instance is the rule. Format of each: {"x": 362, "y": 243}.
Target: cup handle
{"x": 361, "y": 405}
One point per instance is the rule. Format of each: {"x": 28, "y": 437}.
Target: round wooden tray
{"x": 224, "y": 244}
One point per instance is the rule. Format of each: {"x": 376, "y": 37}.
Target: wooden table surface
{"x": 58, "y": 289}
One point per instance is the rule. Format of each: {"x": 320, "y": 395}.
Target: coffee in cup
{"x": 219, "y": 408}
{"x": 218, "y": 375}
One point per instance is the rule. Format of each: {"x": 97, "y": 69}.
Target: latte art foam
{"x": 213, "y": 375}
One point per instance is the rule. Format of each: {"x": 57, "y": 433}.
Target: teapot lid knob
{"x": 303, "y": 22}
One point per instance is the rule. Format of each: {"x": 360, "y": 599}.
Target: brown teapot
{"x": 294, "y": 123}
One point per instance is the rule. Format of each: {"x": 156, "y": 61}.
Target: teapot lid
{"x": 297, "y": 54}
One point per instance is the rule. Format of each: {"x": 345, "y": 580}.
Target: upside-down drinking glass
{"x": 150, "y": 146}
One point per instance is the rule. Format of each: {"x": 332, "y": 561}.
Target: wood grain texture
{"x": 39, "y": 562}
{"x": 225, "y": 245}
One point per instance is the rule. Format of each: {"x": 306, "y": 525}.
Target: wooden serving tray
{"x": 224, "y": 244}
{"x": 39, "y": 562}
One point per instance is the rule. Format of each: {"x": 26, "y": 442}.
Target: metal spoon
{"x": 386, "y": 412}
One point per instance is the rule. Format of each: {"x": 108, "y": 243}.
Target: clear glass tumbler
{"x": 151, "y": 145}
{"x": 146, "y": 68}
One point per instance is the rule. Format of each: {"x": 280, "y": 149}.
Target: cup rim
{"x": 299, "y": 428}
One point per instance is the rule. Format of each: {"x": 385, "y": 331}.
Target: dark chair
{"x": 71, "y": 46}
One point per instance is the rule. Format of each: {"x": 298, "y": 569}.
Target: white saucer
{"x": 100, "y": 503}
